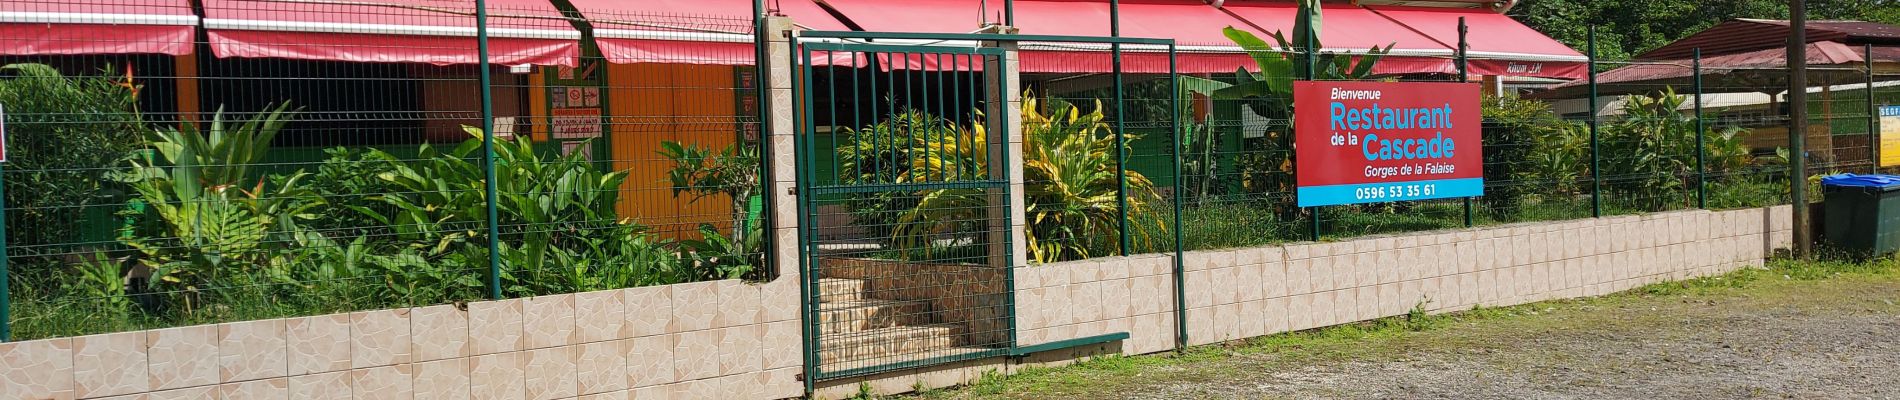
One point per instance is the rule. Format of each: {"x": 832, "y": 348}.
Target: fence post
{"x": 1798, "y": 126}
{"x": 1180, "y": 273}
{"x": 1121, "y": 129}
{"x": 1464, "y": 76}
{"x": 1306, "y": 47}
{"x": 778, "y": 127}
{"x": 1874, "y": 116}
{"x": 1596, "y": 167}
{"x": 6, "y": 291}
{"x": 488, "y": 150}
{"x": 761, "y": 62}
{"x": 1701, "y": 149}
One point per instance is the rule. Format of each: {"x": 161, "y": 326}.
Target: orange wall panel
{"x": 653, "y": 103}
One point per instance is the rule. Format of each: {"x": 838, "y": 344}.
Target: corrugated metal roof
{"x": 1746, "y": 35}
{"x": 1638, "y": 77}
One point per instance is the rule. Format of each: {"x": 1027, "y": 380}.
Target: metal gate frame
{"x": 812, "y": 188}
{"x": 806, "y": 43}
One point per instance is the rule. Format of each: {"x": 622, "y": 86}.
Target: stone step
{"x": 897, "y": 342}
{"x": 848, "y": 316}
{"x": 886, "y": 361}
{"x": 835, "y": 289}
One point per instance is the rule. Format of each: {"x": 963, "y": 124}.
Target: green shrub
{"x": 882, "y": 153}
{"x": 65, "y": 136}
{"x": 1074, "y": 210}
{"x": 1527, "y": 149}
{"x": 1649, "y": 155}
{"x": 732, "y": 172}
{"x": 211, "y": 225}
{"x": 1070, "y": 181}
{"x": 347, "y": 178}
{"x": 553, "y": 211}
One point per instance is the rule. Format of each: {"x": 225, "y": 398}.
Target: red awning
{"x": 1141, "y": 18}
{"x": 416, "y": 31}
{"x": 1194, "y": 25}
{"x": 1499, "y": 44}
{"x": 1349, "y": 29}
{"x": 47, "y": 27}
{"x": 688, "y": 31}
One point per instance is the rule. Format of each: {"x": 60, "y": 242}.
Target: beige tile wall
{"x": 1242, "y": 293}
{"x": 724, "y": 339}
{"x": 733, "y": 340}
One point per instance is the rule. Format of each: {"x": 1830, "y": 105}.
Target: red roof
{"x": 1668, "y": 71}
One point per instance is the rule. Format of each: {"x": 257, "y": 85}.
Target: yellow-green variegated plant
{"x": 1069, "y": 167}
{"x": 1071, "y": 187}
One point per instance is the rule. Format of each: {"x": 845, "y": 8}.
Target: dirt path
{"x": 1779, "y": 333}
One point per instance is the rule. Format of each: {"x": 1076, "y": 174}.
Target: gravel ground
{"x": 1766, "y": 337}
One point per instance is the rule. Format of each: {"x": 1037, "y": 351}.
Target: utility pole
{"x": 1798, "y": 123}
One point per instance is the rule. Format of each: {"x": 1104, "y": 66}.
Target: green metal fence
{"x": 904, "y": 194}
{"x": 604, "y": 170}
{"x": 262, "y": 173}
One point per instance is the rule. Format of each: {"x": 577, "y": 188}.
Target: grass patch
{"x": 1232, "y": 225}
{"x": 1745, "y": 192}
{"x": 1393, "y": 337}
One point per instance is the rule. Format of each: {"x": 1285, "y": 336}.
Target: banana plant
{"x": 1266, "y": 164}
{"x": 1269, "y": 89}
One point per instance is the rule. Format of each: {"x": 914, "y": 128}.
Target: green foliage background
{"x": 1629, "y": 27}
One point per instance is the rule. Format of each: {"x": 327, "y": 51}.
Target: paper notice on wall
{"x": 571, "y": 147}
{"x": 1889, "y": 136}
{"x": 504, "y": 127}
{"x": 576, "y": 123}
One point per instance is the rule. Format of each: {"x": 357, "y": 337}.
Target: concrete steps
{"x": 897, "y": 342}
{"x": 835, "y": 289}
{"x": 861, "y": 330}
{"x": 841, "y": 317}
{"x": 894, "y": 359}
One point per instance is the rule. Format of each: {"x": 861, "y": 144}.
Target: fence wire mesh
{"x": 908, "y": 251}
{"x": 281, "y": 158}
{"x": 203, "y": 163}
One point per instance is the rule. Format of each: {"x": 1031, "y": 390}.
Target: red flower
{"x": 130, "y": 84}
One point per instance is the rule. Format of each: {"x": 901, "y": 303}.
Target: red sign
{"x": 1368, "y": 142}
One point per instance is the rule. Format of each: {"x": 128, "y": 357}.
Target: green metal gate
{"x": 905, "y": 224}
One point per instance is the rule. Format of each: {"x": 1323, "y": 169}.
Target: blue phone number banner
{"x": 1397, "y": 191}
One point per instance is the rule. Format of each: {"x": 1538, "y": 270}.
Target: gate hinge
{"x": 791, "y": 191}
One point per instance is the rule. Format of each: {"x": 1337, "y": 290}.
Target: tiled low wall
{"x": 1235, "y": 294}
{"x": 722, "y": 339}
{"x": 731, "y": 340}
